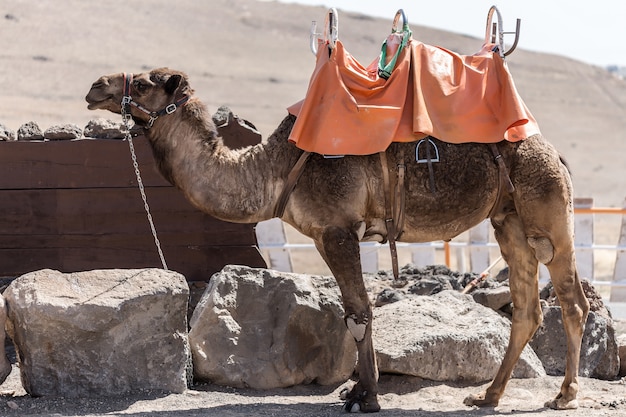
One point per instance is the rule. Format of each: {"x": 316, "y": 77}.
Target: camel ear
{"x": 173, "y": 83}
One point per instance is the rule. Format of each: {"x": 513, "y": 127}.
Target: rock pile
{"x": 101, "y": 128}
{"x": 601, "y": 358}
{"x": 100, "y": 333}
{"x": 96, "y": 129}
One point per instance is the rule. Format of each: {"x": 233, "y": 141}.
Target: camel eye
{"x": 140, "y": 86}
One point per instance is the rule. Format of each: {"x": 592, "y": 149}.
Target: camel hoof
{"x": 356, "y": 402}
{"x": 561, "y": 404}
{"x": 351, "y": 407}
{"x": 355, "y": 406}
{"x": 480, "y": 400}
{"x": 343, "y": 395}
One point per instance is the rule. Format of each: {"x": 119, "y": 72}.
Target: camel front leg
{"x": 5, "y": 365}
{"x": 340, "y": 249}
{"x": 527, "y": 315}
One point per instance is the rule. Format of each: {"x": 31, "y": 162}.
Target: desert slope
{"x": 254, "y": 57}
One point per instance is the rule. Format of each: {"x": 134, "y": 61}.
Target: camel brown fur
{"x": 340, "y": 202}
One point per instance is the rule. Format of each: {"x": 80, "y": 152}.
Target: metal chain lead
{"x": 125, "y": 118}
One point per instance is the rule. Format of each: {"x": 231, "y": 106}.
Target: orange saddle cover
{"x": 470, "y": 98}
{"x": 350, "y": 110}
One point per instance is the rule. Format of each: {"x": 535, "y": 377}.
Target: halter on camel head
{"x": 127, "y": 102}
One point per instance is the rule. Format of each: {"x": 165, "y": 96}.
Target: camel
{"x": 340, "y": 202}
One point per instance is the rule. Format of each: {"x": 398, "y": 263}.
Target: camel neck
{"x": 232, "y": 185}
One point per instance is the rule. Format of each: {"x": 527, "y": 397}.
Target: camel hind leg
{"x": 550, "y": 230}
{"x": 527, "y": 316}
{"x": 574, "y": 310}
{"x": 540, "y": 230}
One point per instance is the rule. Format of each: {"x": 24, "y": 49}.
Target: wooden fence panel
{"x": 75, "y": 205}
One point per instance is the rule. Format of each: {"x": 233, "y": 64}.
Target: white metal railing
{"x": 476, "y": 249}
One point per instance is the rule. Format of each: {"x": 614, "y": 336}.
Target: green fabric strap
{"x": 386, "y": 70}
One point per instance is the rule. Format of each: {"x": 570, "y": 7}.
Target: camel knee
{"x": 575, "y": 313}
{"x": 357, "y": 325}
{"x": 544, "y": 250}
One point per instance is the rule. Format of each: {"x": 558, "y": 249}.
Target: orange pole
{"x": 446, "y": 251}
{"x": 600, "y": 210}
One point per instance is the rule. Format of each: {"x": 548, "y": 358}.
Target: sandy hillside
{"x": 254, "y": 57}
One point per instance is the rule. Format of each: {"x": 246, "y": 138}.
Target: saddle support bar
{"x": 405, "y": 23}
{"x": 331, "y": 31}
{"x": 494, "y": 32}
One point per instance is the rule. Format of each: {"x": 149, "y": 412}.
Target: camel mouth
{"x": 95, "y": 104}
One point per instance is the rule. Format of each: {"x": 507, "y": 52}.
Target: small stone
{"x": 63, "y": 132}
{"x": 104, "y": 129}
{"x": 29, "y": 131}
{"x": 388, "y": 296}
{"x": 6, "y": 134}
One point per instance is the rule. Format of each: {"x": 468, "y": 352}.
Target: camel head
{"x": 148, "y": 95}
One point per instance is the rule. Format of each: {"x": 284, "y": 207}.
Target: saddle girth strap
{"x": 431, "y": 172}
{"x": 399, "y": 195}
{"x": 503, "y": 178}
{"x": 392, "y": 231}
{"x": 290, "y": 184}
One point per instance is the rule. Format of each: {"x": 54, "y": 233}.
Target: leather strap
{"x": 389, "y": 222}
{"x": 399, "y": 195}
{"x": 504, "y": 174}
{"x": 503, "y": 178}
{"x": 290, "y": 184}
{"x": 431, "y": 172}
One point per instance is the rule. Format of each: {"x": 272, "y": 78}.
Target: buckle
{"x": 170, "y": 108}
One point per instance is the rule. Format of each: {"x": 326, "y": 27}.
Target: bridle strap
{"x": 128, "y": 101}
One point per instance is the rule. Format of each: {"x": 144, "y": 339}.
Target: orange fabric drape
{"x": 350, "y": 110}
{"x": 471, "y": 98}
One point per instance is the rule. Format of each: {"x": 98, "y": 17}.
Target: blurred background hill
{"x": 254, "y": 57}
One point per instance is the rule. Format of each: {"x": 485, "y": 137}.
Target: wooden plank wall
{"x": 75, "y": 206}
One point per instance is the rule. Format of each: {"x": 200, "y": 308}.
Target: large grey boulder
{"x": 599, "y": 356}
{"x": 621, "y": 348}
{"x": 445, "y": 337}
{"x": 99, "y": 333}
{"x": 265, "y": 329}
{"x": 5, "y": 365}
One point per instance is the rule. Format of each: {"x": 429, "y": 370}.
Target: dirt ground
{"x": 399, "y": 396}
